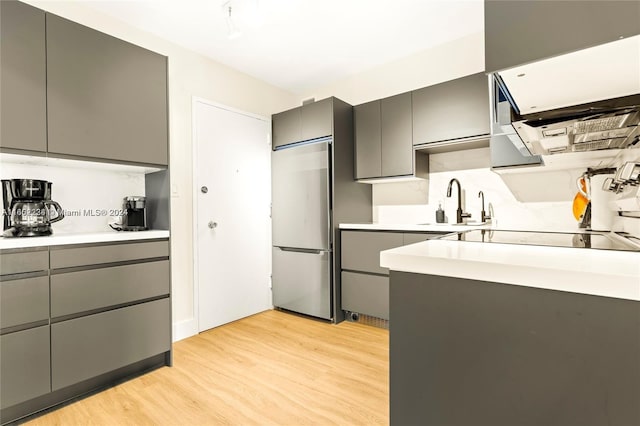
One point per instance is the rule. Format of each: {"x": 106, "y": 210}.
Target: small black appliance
{"x": 28, "y": 208}
{"x": 135, "y": 213}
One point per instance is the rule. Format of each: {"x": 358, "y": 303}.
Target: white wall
{"x": 452, "y": 60}
{"x": 190, "y": 75}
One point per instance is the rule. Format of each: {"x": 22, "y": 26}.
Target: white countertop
{"x": 65, "y": 239}
{"x": 432, "y": 227}
{"x": 588, "y": 271}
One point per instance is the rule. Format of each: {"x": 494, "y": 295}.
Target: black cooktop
{"x": 553, "y": 239}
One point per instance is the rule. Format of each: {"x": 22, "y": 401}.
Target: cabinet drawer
{"x": 27, "y": 261}
{"x": 24, "y": 365}
{"x": 361, "y": 250}
{"x": 98, "y": 288}
{"x": 24, "y": 301}
{"x": 80, "y": 256}
{"x": 365, "y": 294}
{"x": 86, "y": 347}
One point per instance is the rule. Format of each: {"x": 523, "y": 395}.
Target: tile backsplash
{"x": 526, "y": 201}
{"x": 89, "y": 197}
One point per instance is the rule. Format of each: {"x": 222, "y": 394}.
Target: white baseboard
{"x": 185, "y": 328}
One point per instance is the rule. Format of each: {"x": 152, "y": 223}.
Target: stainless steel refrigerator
{"x": 301, "y": 220}
{"x": 313, "y": 191}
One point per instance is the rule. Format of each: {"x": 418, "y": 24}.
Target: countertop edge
{"x": 88, "y": 238}
{"x": 622, "y": 283}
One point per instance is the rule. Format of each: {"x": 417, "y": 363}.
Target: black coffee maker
{"x": 28, "y": 208}
{"x": 135, "y": 213}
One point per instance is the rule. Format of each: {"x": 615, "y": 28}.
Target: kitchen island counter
{"x": 606, "y": 273}
{"x": 84, "y": 238}
{"x": 515, "y": 334}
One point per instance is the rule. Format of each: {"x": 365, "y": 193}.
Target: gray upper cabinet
{"x": 311, "y": 121}
{"x": 317, "y": 119}
{"x": 368, "y": 142}
{"x": 451, "y": 110}
{"x": 383, "y": 141}
{"x": 22, "y": 77}
{"x": 106, "y": 98}
{"x": 397, "y": 146}
{"x": 286, "y": 127}
{"x": 519, "y": 32}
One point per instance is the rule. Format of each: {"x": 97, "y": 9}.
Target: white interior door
{"x": 233, "y": 231}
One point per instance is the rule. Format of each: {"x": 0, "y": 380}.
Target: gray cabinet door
{"x": 86, "y": 347}
{"x": 286, "y": 127}
{"x": 106, "y": 98}
{"x": 361, "y": 249}
{"x": 368, "y": 142}
{"x": 397, "y": 146}
{"x": 22, "y": 77}
{"x": 83, "y": 291}
{"x": 62, "y": 257}
{"x": 518, "y": 32}
{"x": 317, "y": 119}
{"x": 21, "y": 261}
{"x": 24, "y": 365}
{"x": 24, "y": 301}
{"x": 365, "y": 294}
{"x": 454, "y": 109}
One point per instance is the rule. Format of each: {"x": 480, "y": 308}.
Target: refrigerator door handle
{"x": 301, "y": 250}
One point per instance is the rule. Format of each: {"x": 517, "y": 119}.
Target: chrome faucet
{"x": 483, "y": 214}
{"x": 459, "y": 213}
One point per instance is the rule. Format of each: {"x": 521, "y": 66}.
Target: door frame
{"x": 195, "y": 100}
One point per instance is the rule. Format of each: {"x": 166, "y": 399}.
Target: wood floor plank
{"x": 273, "y": 368}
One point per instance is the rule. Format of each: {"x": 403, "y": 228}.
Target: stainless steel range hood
{"x": 583, "y": 101}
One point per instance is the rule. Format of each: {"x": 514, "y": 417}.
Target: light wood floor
{"x": 271, "y": 368}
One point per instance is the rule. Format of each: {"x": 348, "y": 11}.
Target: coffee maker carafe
{"x": 28, "y": 208}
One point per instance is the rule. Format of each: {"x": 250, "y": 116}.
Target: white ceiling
{"x": 300, "y": 45}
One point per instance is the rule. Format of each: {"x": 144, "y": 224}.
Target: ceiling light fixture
{"x": 232, "y": 30}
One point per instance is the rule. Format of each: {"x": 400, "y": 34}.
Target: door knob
{"x": 213, "y": 225}
{"x": 204, "y": 189}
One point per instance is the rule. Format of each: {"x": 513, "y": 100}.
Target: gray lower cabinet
{"x": 23, "y": 301}
{"x": 106, "y": 98}
{"x": 310, "y": 121}
{"x": 22, "y": 77}
{"x": 469, "y": 352}
{"x": 455, "y": 109}
{"x": 96, "y": 313}
{"x": 361, "y": 249}
{"x": 88, "y": 346}
{"x": 24, "y": 366}
{"x": 365, "y": 294}
{"x": 365, "y": 284}
{"x": 523, "y": 31}
{"x": 91, "y": 289}
{"x": 23, "y": 260}
{"x": 63, "y": 257}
